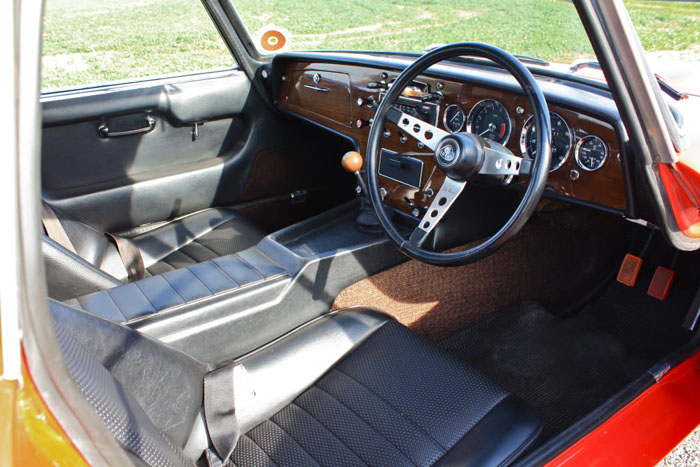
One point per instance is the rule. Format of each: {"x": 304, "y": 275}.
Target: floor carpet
{"x": 566, "y": 367}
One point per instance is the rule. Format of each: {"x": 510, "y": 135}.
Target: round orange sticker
{"x": 272, "y": 40}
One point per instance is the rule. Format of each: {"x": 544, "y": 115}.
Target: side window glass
{"x": 97, "y": 41}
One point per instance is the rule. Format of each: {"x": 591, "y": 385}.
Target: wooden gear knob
{"x": 352, "y": 161}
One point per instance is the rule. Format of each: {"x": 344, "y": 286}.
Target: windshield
{"x": 546, "y": 29}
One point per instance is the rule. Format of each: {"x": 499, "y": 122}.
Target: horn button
{"x": 460, "y": 155}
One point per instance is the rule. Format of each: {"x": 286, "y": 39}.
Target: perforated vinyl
{"x": 395, "y": 400}
{"x": 230, "y": 237}
{"x": 121, "y": 414}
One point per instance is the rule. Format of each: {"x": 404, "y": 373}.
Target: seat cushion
{"x": 198, "y": 237}
{"x": 397, "y": 399}
{"x": 179, "y": 243}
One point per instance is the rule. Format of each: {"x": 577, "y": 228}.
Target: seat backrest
{"x": 69, "y": 275}
{"x": 95, "y": 265}
{"x": 164, "y": 382}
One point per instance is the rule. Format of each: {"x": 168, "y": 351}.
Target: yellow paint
{"x": 29, "y": 434}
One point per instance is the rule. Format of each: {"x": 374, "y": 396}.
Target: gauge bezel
{"x": 578, "y": 147}
{"x": 444, "y": 118}
{"x": 511, "y": 123}
{"x": 523, "y": 140}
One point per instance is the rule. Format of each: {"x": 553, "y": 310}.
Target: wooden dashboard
{"x": 343, "y": 98}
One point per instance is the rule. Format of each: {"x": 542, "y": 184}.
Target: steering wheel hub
{"x": 461, "y": 155}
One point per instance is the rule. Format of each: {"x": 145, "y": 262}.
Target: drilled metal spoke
{"x": 498, "y": 160}
{"x": 424, "y": 132}
{"x": 445, "y": 197}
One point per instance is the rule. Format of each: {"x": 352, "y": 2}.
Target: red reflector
{"x": 629, "y": 270}
{"x": 661, "y": 283}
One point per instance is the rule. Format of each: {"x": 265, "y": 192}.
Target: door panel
{"x": 117, "y": 183}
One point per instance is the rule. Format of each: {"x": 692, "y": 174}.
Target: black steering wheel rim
{"x": 538, "y": 176}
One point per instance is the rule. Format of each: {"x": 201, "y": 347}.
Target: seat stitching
{"x": 400, "y": 412}
{"x": 204, "y": 246}
{"x": 172, "y": 287}
{"x": 295, "y": 441}
{"x": 328, "y": 430}
{"x": 249, "y": 265}
{"x": 195, "y": 237}
{"x": 184, "y": 253}
{"x": 136, "y": 283}
{"x": 261, "y": 448}
{"x": 366, "y": 423}
{"x": 225, "y": 273}
{"x": 200, "y": 280}
{"x": 111, "y": 300}
{"x": 165, "y": 260}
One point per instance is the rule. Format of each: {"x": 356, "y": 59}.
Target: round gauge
{"x": 453, "y": 118}
{"x": 591, "y": 153}
{"x": 490, "y": 119}
{"x": 562, "y": 139}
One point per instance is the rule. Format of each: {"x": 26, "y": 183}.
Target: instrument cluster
{"x": 491, "y": 119}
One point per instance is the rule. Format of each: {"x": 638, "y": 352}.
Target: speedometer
{"x": 562, "y": 139}
{"x": 490, "y": 119}
{"x": 591, "y": 153}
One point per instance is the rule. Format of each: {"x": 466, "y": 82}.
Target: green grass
{"x": 90, "y": 42}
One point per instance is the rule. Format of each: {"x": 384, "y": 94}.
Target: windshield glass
{"x": 548, "y": 29}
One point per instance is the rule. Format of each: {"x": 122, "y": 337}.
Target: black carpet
{"x": 566, "y": 367}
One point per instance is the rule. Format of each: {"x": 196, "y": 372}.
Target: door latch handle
{"x": 316, "y": 88}
{"x": 104, "y": 131}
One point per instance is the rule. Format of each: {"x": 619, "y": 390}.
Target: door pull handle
{"x": 104, "y": 131}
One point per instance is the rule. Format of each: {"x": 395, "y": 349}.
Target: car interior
{"x": 311, "y": 267}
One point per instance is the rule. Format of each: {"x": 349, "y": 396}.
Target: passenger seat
{"x": 81, "y": 260}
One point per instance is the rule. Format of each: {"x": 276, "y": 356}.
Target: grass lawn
{"x": 90, "y": 42}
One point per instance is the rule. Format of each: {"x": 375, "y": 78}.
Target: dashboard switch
{"x": 361, "y": 122}
{"x": 377, "y": 85}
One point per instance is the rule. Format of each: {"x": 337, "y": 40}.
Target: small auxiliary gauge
{"x": 453, "y": 118}
{"x": 591, "y": 153}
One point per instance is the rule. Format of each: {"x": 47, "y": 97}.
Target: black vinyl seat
{"x": 395, "y": 400}
{"x": 350, "y": 388}
{"x": 179, "y": 243}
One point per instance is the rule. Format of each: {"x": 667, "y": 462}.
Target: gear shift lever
{"x": 367, "y": 221}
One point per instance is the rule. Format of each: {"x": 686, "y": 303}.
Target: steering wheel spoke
{"x": 445, "y": 197}
{"x": 424, "y": 132}
{"x": 499, "y": 160}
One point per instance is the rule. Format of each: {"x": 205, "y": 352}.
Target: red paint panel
{"x": 682, "y": 184}
{"x": 648, "y": 428}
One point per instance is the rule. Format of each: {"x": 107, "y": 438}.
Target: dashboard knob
{"x": 361, "y": 122}
{"x": 352, "y": 161}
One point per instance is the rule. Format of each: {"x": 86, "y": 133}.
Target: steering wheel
{"x": 461, "y": 157}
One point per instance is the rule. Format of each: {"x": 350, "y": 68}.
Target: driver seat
{"x": 350, "y": 388}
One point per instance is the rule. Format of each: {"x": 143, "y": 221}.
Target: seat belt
{"x": 128, "y": 251}
{"x": 130, "y": 256}
{"x": 220, "y": 414}
{"x": 54, "y": 229}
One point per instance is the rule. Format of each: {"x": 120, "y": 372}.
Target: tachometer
{"x": 562, "y": 140}
{"x": 490, "y": 119}
{"x": 453, "y": 118}
{"x": 591, "y": 153}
